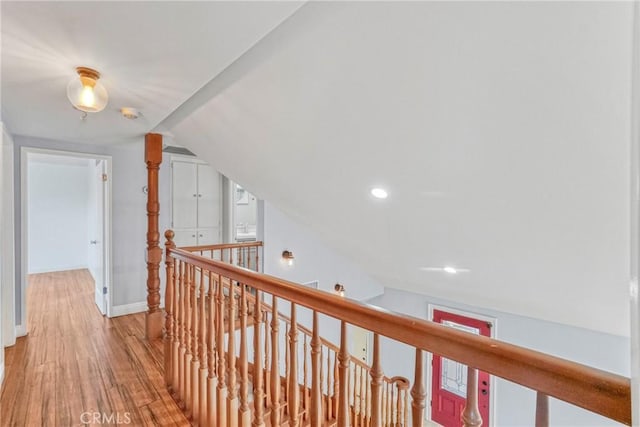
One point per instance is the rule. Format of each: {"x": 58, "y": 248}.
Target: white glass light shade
{"x": 86, "y": 93}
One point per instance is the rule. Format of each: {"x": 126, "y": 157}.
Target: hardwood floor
{"x": 77, "y": 367}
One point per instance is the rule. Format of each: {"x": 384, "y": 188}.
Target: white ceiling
{"x": 500, "y": 129}
{"x": 152, "y": 55}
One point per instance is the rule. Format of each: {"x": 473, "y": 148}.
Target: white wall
{"x": 515, "y": 405}
{"x": 58, "y": 198}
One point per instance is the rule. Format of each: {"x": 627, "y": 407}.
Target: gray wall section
{"x": 129, "y": 219}
{"x": 515, "y": 405}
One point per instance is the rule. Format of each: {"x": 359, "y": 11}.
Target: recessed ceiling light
{"x": 446, "y": 269}
{"x": 379, "y": 193}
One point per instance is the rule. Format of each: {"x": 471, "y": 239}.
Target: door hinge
{"x": 104, "y": 290}
{"x": 104, "y": 176}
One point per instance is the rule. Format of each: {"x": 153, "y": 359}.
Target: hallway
{"x": 77, "y": 367}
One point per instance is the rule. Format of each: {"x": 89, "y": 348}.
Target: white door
{"x": 97, "y": 236}
{"x": 360, "y": 339}
{"x": 184, "y": 195}
{"x": 209, "y": 202}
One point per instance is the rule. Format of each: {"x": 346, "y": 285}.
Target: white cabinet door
{"x": 184, "y": 195}
{"x": 185, "y": 237}
{"x": 209, "y": 197}
{"x": 208, "y": 236}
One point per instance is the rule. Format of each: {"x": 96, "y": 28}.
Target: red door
{"x": 449, "y": 379}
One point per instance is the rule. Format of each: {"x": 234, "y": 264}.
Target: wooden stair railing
{"x": 296, "y": 396}
{"x": 246, "y": 255}
{"x": 201, "y": 293}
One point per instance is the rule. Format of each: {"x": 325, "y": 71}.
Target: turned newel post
{"x": 153, "y": 158}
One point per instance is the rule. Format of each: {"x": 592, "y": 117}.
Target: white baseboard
{"x": 21, "y": 331}
{"x": 1, "y": 374}
{"x": 57, "y": 269}
{"x": 123, "y": 310}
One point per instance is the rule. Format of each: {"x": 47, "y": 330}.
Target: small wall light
{"x": 339, "y": 289}
{"x": 287, "y": 257}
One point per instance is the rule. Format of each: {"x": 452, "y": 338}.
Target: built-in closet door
{"x": 184, "y": 237}
{"x": 196, "y": 200}
{"x": 209, "y": 200}
{"x": 208, "y": 236}
{"x": 184, "y": 195}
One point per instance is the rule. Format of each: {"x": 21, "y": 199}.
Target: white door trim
{"x": 23, "y": 328}
{"x": 8, "y": 282}
{"x": 634, "y": 298}
{"x": 429, "y": 371}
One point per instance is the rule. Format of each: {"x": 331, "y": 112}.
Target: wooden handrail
{"x": 598, "y": 391}
{"x": 221, "y": 246}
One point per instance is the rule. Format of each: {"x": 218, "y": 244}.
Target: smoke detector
{"x": 130, "y": 113}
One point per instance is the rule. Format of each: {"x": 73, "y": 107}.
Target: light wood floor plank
{"x": 76, "y": 361}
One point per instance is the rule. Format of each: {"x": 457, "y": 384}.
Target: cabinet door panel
{"x": 209, "y": 236}
{"x": 184, "y": 195}
{"x": 209, "y": 197}
{"x": 185, "y": 238}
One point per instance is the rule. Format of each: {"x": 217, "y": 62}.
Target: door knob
{"x": 94, "y": 242}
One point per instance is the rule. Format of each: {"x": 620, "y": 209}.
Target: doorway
{"x": 65, "y": 220}
{"x": 448, "y": 379}
{"x": 244, "y": 214}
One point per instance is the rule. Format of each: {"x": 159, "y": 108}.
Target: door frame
{"x": 429, "y": 367}
{"x": 23, "y": 328}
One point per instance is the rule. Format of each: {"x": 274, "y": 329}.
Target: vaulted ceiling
{"x": 499, "y": 129}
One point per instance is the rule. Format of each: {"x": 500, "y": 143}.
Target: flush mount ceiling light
{"x": 86, "y": 93}
{"x": 379, "y": 193}
{"x": 130, "y": 113}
